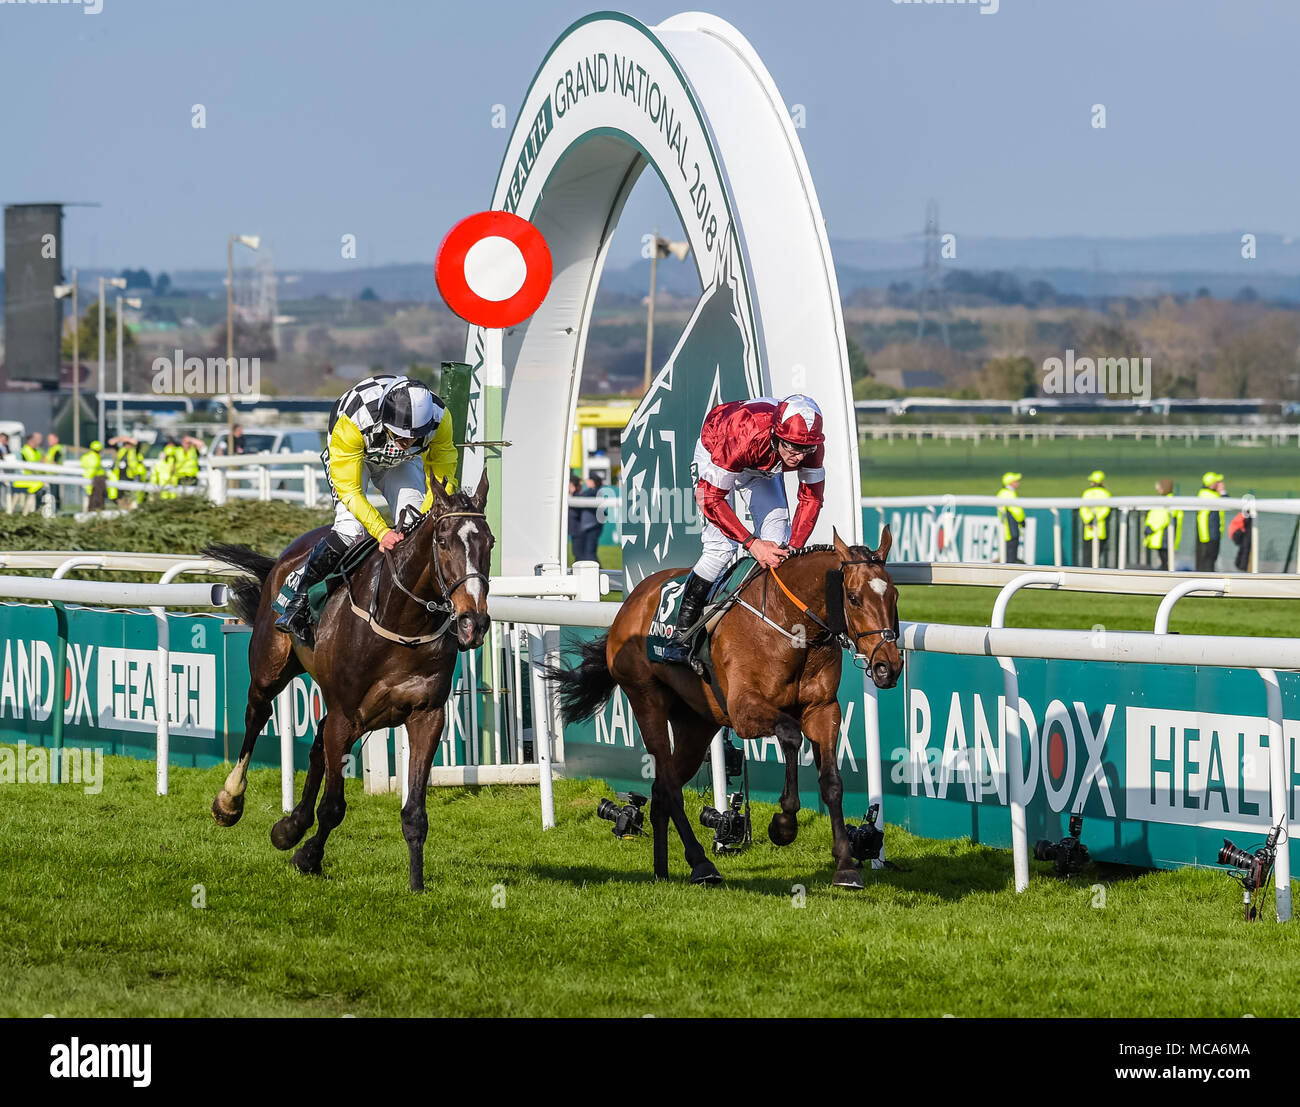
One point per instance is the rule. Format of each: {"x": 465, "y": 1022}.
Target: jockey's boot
{"x": 676, "y": 649}
{"x": 325, "y": 555}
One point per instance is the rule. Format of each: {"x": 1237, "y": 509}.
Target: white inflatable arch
{"x": 691, "y": 99}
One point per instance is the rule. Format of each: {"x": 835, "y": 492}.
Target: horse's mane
{"x": 460, "y": 500}
{"x": 821, "y": 547}
{"x": 865, "y": 552}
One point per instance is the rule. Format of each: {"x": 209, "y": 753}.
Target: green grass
{"x": 1061, "y": 468}
{"x": 96, "y": 894}
{"x": 1037, "y": 607}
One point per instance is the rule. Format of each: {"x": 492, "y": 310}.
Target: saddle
{"x": 318, "y": 594}
{"x": 718, "y": 602}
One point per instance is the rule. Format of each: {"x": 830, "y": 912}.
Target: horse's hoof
{"x": 226, "y": 808}
{"x": 782, "y": 829}
{"x": 306, "y": 863}
{"x": 706, "y": 872}
{"x": 848, "y": 878}
{"x": 285, "y": 834}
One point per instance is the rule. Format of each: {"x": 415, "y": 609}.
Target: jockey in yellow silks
{"x": 398, "y": 433}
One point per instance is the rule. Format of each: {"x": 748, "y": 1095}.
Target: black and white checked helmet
{"x": 409, "y": 410}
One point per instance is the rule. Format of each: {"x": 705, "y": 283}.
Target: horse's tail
{"x": 245, "y": 594}
{"x": 586, "y": 688}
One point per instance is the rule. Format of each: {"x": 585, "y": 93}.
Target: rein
{"x": 441, "y": 606}
{"x": 840, "y": 632}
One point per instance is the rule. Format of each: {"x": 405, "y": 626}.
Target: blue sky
{"x": 374, "y": 118}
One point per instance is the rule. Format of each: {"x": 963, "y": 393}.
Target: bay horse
{"x": 383, "y": 657}
{"x": 773, "y": 674}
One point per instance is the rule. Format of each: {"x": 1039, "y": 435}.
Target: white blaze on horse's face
{"x": 878, "y": 586}
{"x": 474, "y": 586}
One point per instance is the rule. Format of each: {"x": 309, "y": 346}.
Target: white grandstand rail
{"x": 263, "y": 468}
{"x": 1122, "y": 647}
{"x": 1273, "y": 434}
{"x": 111, "y": 593}
{"x": 1186, "y": 588}
{"x": 109, "y": 560}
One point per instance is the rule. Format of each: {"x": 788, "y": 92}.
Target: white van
{"x": 276, "y": 440}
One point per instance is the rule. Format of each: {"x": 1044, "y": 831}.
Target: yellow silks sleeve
{"x": 347, "y": 450}
{"x": 440, "y": 461}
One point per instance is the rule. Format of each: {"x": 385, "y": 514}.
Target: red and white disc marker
{"x": 493, "y": 269}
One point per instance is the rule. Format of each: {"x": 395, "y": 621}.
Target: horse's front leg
{"x": 753, "y": 717}
{"x": 423, "y": 732}
{"x": 822, "y": 725}
{"x": 784, "y": 826}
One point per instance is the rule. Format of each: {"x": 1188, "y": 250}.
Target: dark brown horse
{"x": 385, "y": 655}
{"x": 777, "y": 674}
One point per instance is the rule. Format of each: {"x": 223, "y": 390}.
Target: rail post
{"x": 1277, "y": 781}
{"x": 58, "y": 678}
{"x": 1011, "y": 728}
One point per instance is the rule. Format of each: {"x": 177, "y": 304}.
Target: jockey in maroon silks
{"x": 748, "y": 446}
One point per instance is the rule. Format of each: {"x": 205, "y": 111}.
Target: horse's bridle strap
{"x": 384, "y": 632}
{"x": 432, "y": 606}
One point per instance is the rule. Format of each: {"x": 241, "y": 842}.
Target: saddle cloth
{"x": 716, "y": 605}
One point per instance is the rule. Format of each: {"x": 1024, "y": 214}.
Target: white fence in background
{"x": 1246, "y": 435}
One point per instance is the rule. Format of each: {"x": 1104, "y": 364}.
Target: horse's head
{"x": 871, "y": 607}
{"x": 462, "y": 544}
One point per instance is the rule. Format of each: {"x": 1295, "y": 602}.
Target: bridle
{"x": 852, "y": 644}
{"x": 836, "y": 623}
{"x": 448, "y": 589}
{"x": 441, "y": 605}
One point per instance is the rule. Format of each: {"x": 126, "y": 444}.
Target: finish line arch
{"x": 691, "y": 99}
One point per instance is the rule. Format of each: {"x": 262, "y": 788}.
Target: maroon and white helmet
{"x": 799, "y": 420}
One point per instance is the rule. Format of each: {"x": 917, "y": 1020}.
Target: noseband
{"x": 448, "y": 589}
{"x": 443, "y": 603}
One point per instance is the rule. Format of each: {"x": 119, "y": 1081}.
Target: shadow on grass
{"x": 947, "y": 879}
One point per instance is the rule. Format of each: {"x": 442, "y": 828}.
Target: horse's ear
{"x": 886, "y": 540}
{"x": 480, "y": 496}
{"x": 845, "y": 554}
{"x": 441, "y": 500}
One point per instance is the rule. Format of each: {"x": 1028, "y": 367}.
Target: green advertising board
{"x": 1163, "y": 761}
{"x": 111, "y": 691}
{"x": 967, "y": 534}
